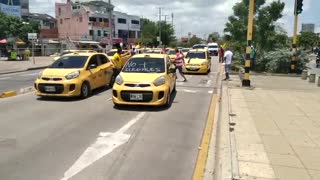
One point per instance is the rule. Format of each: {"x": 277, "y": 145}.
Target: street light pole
{"x": 110, "y": 24}
{"x": 293, "y": 66}
{"x": 246, "y": 80}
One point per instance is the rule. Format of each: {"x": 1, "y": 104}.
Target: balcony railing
{"x": 99, "y": 24}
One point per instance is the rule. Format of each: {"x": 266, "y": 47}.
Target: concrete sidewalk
{"x": 269, "y": 132}
{"x": 18, "y": 66}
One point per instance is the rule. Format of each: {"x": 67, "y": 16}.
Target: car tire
{"x": 174, "y": 87}
{"x": 85, "y": 90}
{"x": 168, "y": 102}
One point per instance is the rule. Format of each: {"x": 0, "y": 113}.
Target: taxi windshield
{"x": 145, "y": 65}
{"x": 213, "y": 46}
{"x": 185, "y": 50}
{"x": 111, "y": 53}
{"x": 198, "y": 55}
{"x": 70, "y": 62}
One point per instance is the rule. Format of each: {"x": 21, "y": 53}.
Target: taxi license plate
{"x": 136, "y": 97}
{"x": 50, "y": 89}
{"x": 193, "y": 68}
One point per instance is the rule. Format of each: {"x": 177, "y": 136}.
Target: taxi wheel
{"x": 168, "y": 102}
{"x": 175, "y": 87}
{"x": 85, "y": 90}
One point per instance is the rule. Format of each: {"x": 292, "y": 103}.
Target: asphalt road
{"x": 60, "y": 139}
{"x": 17, "y": 81}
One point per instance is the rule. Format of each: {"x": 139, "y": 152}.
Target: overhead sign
{"x": 11, "y": 7}
{"x": 32, "y": 36}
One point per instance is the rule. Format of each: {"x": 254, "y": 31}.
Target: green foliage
{"x": 215, "y": 37}
{"x": 194, "y": 40}
{"x": 14, "y": 27}
{"x": 308, "y": 40}
{"x": 150, "y": 31}
{"x": 279, "y": 61}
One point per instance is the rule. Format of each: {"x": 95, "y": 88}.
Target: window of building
{"x": 132, "y": 34}
{"x": 100, "y": 20}
{"x": 105, "y": 20}
{"x": 92, "y": 19}
{"x": 99, "y": 33}
{"x": 61, "y": 21}
{"x": 135, "y": 22}
{"x": 59, "y": 10}
{"x": 80, "y": 19}
{"x": 139, "y": 34}
{"x": 122, "y": 21}
{"x": 105, "y": 33}
{"x": 91, "y": 32}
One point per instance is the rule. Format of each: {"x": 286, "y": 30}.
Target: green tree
{"x": 194, "y": 40}
{"x": 214, "y": 37}
{"x": 307, "y": 39}
{"x": 264, "y": 28}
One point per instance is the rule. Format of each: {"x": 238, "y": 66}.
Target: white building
{"x": 308, "y": 28}
{"x": 126, "y": 27}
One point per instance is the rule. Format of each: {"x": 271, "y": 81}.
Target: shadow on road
{"x": 95, "y": 92}
{"x": 147, "y": 108}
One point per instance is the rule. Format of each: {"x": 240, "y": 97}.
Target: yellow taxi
{"x": 72, "y": 51}
{"x": 125, "y": 55}
{"x": 185, "y": 51}
{"x": 75, "y": 74}
{"x": 146, "y": 79}
{"x": 197, "y": 61}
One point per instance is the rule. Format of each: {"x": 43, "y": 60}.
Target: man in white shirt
{"x": 228, "y": 55}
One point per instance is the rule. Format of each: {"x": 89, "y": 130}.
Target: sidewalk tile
{"x": 241, "y": 146}
{"x": 284, "y": 160}
{"x": 315, "y": 174}
{"x": 253, "y": 156}
{"x": 288, "y": 173}
{"x": 248, "y": 138}
{"x": 276, "y": 144}
{"x": 309, "y": 156}
{"x": 299, "y": 138}
{"x": 256, "y": 170}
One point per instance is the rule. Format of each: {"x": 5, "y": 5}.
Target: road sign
{"x": 32, "y": 36}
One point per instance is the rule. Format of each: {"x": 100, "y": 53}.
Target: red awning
{"x": 3, "y": 41}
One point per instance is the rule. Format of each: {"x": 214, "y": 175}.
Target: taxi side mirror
{"x": 92, "y": 66}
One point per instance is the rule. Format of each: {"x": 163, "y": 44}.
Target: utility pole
{"x": 297, "y": 10}
{"x": 172, "y": 20}
{"x": 110, "y": 24}
{"x": 160, "y": 26}
{"x": 246, "y": 80}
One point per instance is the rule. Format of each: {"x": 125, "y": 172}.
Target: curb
{"x": 8, "y": 94}
{"x": 24, "y": 70}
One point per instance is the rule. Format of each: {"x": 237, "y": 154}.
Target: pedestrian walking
{"x": 228, "y": 55}
{"x": 252, "y": 56}
{"x": 221, "y": 54}
{"x": 179, "y": 62}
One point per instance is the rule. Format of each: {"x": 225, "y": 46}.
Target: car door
{"x": 171, "y": 76}
{"x": 93, "y": 70}
{"x": 106, "y": 70}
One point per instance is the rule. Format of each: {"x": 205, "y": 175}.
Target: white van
{"x": 213, "y": 49}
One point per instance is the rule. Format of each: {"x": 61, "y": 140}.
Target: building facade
{"x": 94, "y": 21}
{"x": 308, "y": 28}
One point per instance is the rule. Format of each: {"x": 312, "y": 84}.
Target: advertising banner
{"x": 11, "y": 7}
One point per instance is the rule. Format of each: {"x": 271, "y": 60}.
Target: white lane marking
{"x": 4, "y": 78}
{"x": 31, "y": 74}
{"x": 105, "y": 143}
{"x": 109, "y": 99}
{"x": 187, "y": 90}
{"x": 210, "y": 92}
{"x": 209, "y": 82}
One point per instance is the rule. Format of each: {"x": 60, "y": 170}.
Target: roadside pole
{"x": 294, "y": 43}
{"x": 110, "y": 25}
{"x": 246, "y": 80}
{"x": 33, "y": 60}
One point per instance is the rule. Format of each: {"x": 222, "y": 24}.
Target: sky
{"x": 199, "y": 17}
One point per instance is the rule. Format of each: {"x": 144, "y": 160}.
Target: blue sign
{"x": 11, "y": 7}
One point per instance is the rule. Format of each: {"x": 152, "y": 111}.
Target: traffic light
{"x": 299, "y": 7}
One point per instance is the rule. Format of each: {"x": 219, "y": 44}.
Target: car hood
{"x": 57, "y": 72}
{"x": 140, "y": 77}
{"x": 194, "y": 61}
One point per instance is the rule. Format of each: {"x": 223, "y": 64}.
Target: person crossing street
{"x": 179, "y": 62}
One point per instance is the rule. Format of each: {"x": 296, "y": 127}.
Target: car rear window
{"x": 199, "y": 46}
{"x": 213, "y": 46}
{"x": 145, "y": 65}
{"x": 70, "y": 62}
{"x": 199, "y": 55}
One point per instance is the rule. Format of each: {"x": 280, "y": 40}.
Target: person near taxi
{"x": 221, "y": 54}
{"x": 117, "y": 62}
{"x": 179, "y": 62}
{"x": 228, "y": 55}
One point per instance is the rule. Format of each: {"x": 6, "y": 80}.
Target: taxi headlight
{"x": 159, "y": 81}
{"x": 72, "y": 75}
{"x": 119, "y": 80}
{"x": 204, "y": 63}
{"x": 40, "y": 74}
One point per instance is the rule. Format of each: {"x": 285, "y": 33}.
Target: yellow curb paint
{"x": 8, "y": 94}
{"x": 204, "y": 147}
